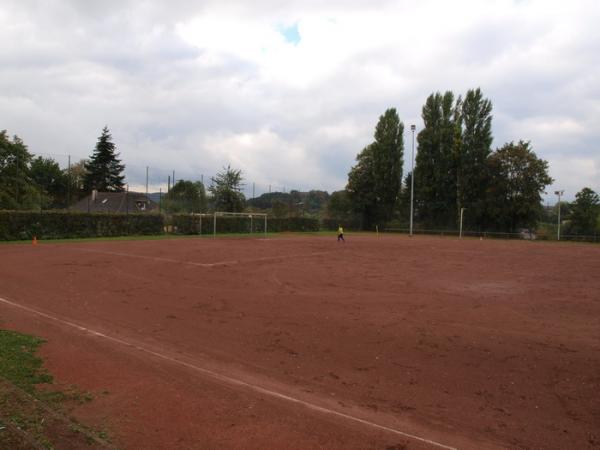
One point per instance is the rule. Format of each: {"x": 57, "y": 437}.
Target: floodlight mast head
{"x": 413, "y": 127}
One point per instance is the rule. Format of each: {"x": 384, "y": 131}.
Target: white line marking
{"x": 227, "y": 379}
{"x": 197, "y": 264}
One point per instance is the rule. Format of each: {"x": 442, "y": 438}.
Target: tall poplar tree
{"x": 104, "y": 169}
{"x": 374, "y": 184}
{"x": 361, "y": 187}
{"x": 435, "y": 172}
{"x": 475, "y": 147}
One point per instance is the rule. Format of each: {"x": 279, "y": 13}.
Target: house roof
{"x": 116, "y": 202}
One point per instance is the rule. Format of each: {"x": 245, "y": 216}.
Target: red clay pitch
{"x": 304, "y": 342}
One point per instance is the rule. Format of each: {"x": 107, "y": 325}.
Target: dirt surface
{"x": 304, "y": 342}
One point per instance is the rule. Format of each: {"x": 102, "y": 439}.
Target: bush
{"x": 19, "y": 225}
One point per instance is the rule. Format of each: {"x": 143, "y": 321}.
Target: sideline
{"x": 228, "y": 379}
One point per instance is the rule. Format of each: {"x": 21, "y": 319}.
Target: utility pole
{"x": 412, "y": 179}
{"x": 559, "y": 193}
{"x": 146, "y": 181}
{"x": 69, "y": 183}
{"x": 17, "y": 182}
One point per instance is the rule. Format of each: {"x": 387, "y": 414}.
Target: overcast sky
{"x": 290, "y": 92}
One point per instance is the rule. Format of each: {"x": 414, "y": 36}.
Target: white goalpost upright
{"x": 250, "y": 216}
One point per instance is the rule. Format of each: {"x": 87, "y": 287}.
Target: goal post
{"x": 251, "y": 216}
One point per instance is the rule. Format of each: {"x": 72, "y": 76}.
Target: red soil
{"x": 469, "y": 344}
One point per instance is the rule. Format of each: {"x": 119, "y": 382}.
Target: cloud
{"x": 290, "y": 93}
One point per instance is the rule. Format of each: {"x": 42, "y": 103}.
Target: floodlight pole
{"x": 412, "y": 179}
{"x": 559, "y": 193}
{"x": 462, "y": 210}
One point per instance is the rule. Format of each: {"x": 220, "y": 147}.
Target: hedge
{"x": 20, "y": 225}
{"x": 187, "y": 224}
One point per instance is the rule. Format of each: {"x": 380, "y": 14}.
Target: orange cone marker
{"x": 34, "y": 241}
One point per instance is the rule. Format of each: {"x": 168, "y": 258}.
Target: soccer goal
{"x": 255, "y": 220}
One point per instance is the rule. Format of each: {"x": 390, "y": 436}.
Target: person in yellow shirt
{"x": 341, "y": 234}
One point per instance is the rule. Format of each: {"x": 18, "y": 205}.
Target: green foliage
{"x": 266, "y": 200}
{"x": 404, "y": 203}
{"x": 104, "y": 169}
{"x": 280, "y": 209}
{"x": 315, "y": 200}
{"x": 227, "y": 191}
{"x": 388, "y": 160}
{"x": 17, "y": 190}
{"x": 361, "y": 186}
{"x": 51, "y": 181}
{"x": 435, "y": 172}
{"x": 76, "y": 176}
{"x": 293, "y": 224}
{"x": 475, "y": 147}
{"x": 374, "y": 182}
{"x": 295, "y": 202}
{"x": 185, "y": 197}
{"x": 18, "y": 363}
{"x": 19, "y": 225}
{"x": 518, "y": 179}
{"x": 585, "y": 211}
{"x": 351, "y": 224}
{"x": 340, "y": 206}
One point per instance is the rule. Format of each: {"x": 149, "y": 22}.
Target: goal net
{"x": 228, "y": 222}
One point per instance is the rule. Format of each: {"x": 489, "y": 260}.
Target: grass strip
{"x": 32, "y": 417}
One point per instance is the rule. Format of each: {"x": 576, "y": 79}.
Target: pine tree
{"x": 104, "y": 170}
{"x": 227, "y": 191}
{"x": 388, "y": 154}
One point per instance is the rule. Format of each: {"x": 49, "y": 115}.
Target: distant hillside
{"x": 311, "y": 201}
{"x": 154, "y": 196}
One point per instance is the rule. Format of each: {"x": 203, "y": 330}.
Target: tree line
{"x": 455, "y": 170}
